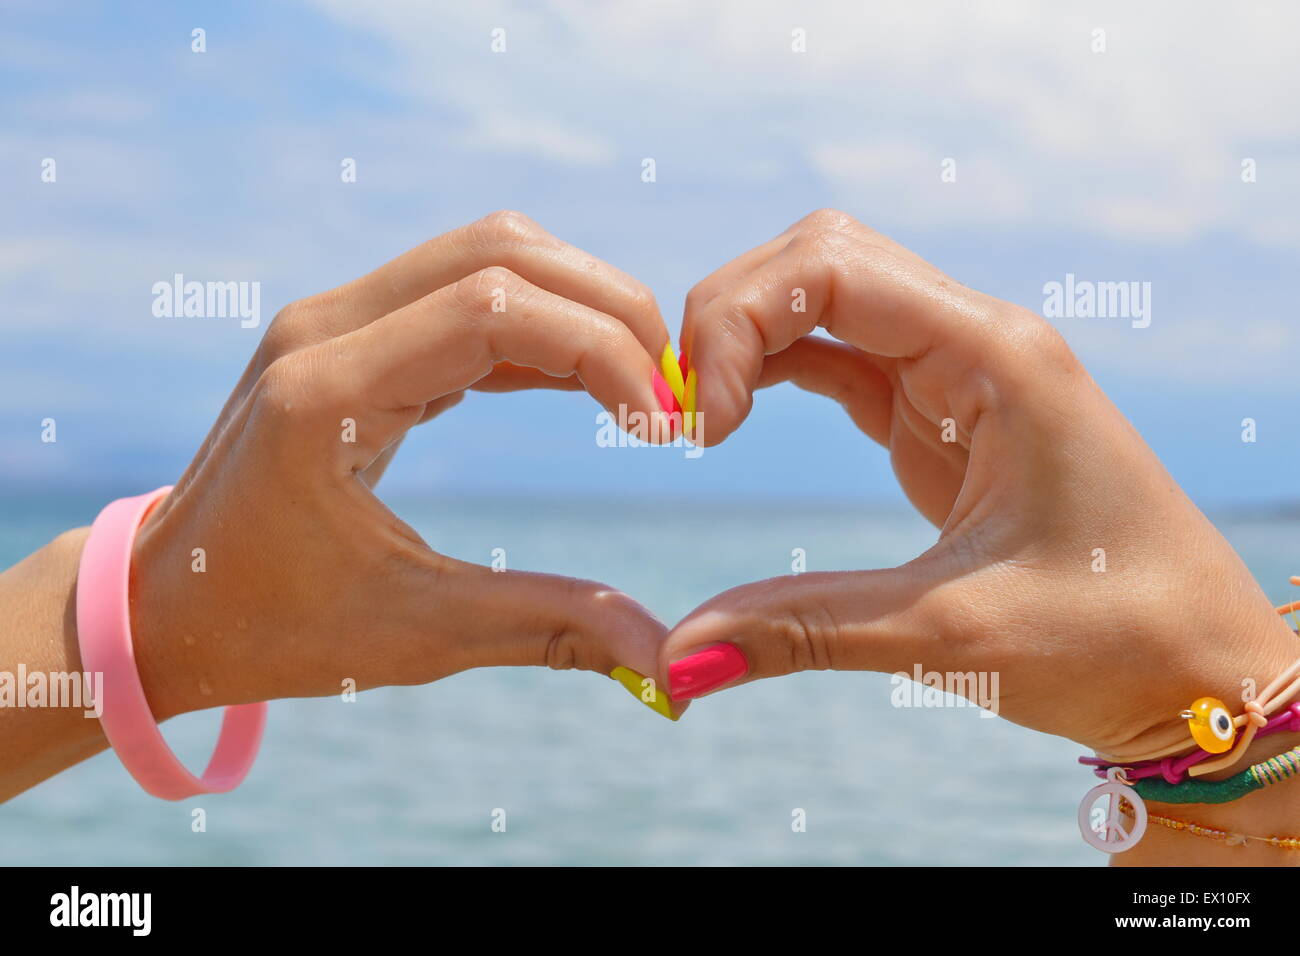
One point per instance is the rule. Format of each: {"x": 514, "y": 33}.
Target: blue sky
{"x": 1122, "y": 165}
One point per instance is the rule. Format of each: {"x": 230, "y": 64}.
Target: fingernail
{"x": 644, "y": 690}
{"x": 688, "y": 403}
{"x": 684, "y": 361}
{"x": 664, "y": 393}
{"x": 671, "y": 370}
{"x": 706, "y": 670}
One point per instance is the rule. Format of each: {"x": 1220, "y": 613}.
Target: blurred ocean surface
{"x": 586, "y": 776}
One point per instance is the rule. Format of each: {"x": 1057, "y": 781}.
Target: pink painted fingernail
{"x": 667, "y": 400}
{"x": 706, "y": 670}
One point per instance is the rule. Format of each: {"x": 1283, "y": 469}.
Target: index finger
{"x": 505, "y": 239}
{"x": 948, "y": 342}
{"x": 708, "y": 288}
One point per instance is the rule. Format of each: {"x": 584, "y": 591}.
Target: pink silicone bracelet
{"x": 104, "y": 634}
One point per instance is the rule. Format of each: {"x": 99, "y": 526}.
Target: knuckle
{"x": 282, "y": 387}
{"x": 831, "y": 220}
{"x": 1050, "y": 344}
{"x": 824, "y": 245}
{"x": 497, "y": 276}
{"x": 482, "y": 290}
{"x": 737, "y": 322}
{"x": 562, "y": 637}
{"x": 292, "y": 315}
{"x": 562, "y": 648}
{"x": 1034, "y": 343}
{"x": 289, "y": 330}
{"x": 507, "y": 225}
{"x": 697, "y": 298}
{"x": 643, "y": 300}
{"x": 809, "y": 631}
{"x": 604, "y": 336}
{"x": 736, "y": 393}
{"x": 564, "y": 642}
{"x": 573, "y": 639}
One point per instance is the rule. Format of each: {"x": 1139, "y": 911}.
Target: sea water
{"x": 536, "y": 767}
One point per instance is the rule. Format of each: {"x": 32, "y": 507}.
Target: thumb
{"x": 856, "y": 620}
{"x": 558, "y": 622}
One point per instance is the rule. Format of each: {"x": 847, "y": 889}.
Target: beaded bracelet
{"x": 1228, "y": 837}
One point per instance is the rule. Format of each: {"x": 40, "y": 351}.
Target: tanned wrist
{"x": 1273, "y": 811}
{"x": 166, "y": 648}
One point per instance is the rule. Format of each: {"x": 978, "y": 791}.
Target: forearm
{"x": 38, "y": 600}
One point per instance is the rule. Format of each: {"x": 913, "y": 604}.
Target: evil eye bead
{"x": 1211, "y": 725}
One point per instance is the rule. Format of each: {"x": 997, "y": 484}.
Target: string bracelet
{"x": 1263, "y": 774}
{"x": 1174, "y": 769}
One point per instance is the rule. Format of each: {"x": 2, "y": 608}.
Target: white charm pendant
{"x": 1103, "y": 827}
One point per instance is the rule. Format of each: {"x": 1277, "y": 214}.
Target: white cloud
{"x": 1040, "y": 124}
{"x": 1143, "y": 142}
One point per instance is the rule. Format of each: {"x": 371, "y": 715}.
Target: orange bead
{"x": 1211, "y": 725}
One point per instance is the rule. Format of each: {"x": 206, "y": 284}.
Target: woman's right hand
{"x": 308, "y": 581}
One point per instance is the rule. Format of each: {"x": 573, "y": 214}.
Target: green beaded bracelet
{"x": 1273, "y": 770}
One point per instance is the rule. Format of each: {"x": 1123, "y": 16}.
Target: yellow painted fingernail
{"x": 672, "y": 371}
{"x": 644, "y": 690}
{"x": 688, "y": 403}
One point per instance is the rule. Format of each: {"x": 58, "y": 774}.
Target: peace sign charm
{"x": 1105, "y": 830}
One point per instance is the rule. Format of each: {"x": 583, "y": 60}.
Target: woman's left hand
{"x": 309, "y": 584}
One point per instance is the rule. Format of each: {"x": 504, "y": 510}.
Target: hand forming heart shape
{"x": 1064, "y": 559}
{"x": 1066, "y": 549}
